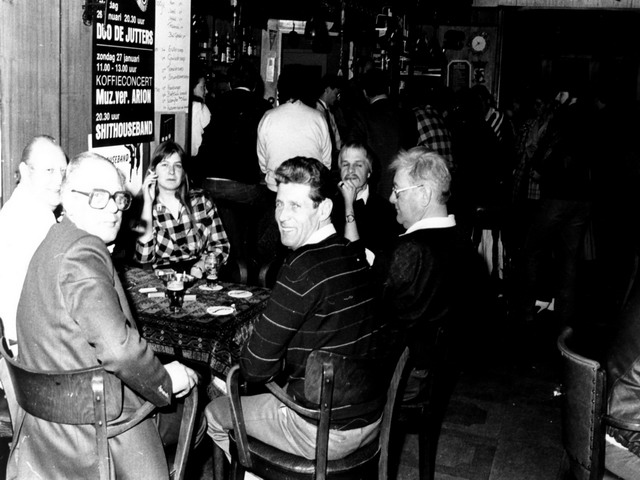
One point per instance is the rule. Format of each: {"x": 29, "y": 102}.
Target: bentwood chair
{"x": 424, "y": 414}
{"x": 584, "y": 413}
{"x": 77, "y": 397}
{"x": 323, "y": 370}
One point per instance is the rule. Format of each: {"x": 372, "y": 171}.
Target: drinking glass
{"x": 175, "y": 293}
{"x": 211, "y": 269}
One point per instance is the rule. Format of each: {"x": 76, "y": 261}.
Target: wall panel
{"x": 29, "y": 79}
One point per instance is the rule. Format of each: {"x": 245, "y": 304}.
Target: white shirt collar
{"x": 378, "y": 97}
{"x": 242, "y": 88}
{"x": 363, "y": 194}
{"x": 432, "y": 222}
{"x": 320, "y": 234}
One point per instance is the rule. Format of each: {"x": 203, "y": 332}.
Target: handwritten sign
{"x": 172, "y": 55}
{"x": 123, "y": 83}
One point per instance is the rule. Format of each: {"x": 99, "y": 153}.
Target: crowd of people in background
{"x": 374, "y": 203}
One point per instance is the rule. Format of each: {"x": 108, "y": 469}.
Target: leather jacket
{"x": 623, "y": 371}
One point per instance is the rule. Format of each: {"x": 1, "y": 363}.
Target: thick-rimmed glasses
{"x": 397, "y": 191}
{"x": 99, "y": 198}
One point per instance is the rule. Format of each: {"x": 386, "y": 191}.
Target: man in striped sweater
{"x": 323, "y": 299}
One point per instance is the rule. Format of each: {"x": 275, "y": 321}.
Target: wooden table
{"x": 193, "y": 333}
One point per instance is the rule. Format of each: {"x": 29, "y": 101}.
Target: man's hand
{"x": 182, "y": 378}
{"x": 348, "y": 190}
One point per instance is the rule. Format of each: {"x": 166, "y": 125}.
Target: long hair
{"x": 165, "y": 150}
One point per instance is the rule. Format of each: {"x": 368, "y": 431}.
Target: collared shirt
{"x": 24, "y": 222}
{"x": 320, "y": 234}
{"x": 363, "y": 194}
{"x": 432, "y": 222}
{"x": 187, "y": 237}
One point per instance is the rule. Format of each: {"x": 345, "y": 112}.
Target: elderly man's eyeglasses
{"x": 398, "y": 191}
{"x": 99, "y": 198}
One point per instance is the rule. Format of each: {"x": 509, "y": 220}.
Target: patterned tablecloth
{"x": 193, "y": 333}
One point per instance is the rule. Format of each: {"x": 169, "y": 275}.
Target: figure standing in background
{"x": 383, "y": 126}
{"x": 200, "y": 114}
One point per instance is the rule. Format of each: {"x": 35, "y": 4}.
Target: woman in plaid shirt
{"x": 180, "y": 226}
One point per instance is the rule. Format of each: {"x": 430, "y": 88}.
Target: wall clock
{"x": 479, "y": 43}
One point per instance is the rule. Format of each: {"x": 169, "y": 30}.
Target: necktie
{"x": 327, "y": 115}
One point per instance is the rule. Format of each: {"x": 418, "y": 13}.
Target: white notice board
{"x": 173, "y": 38}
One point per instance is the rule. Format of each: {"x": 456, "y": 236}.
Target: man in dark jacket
{"x": 73, "y": 314}
{"x": 622, "y": 455}
{"x": 383, "y": 126}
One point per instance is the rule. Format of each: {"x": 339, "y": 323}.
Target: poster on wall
{"x": 128, "y": 160}
{"x": 123, "y": 68}
{"x": 172, "y": 56}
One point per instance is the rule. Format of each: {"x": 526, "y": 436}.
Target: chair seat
{"x": 266, "y": 457}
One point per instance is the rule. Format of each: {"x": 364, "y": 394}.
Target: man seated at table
{"x": 26, "y": 218}
{"x": 359, "y": 212}
{"x": 322, "y": 299}
{"x": 73, "y": 314}
{"x": 425, "y": 279}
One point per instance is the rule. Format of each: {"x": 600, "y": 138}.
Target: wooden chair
{"x": 584, "y": 413}
{"x": 77, "y": 397}
{"x": 234, "y": 271}
{"x": 323, "y": 370}
{"x": 424, "y": 414}
{"x": 268, "y": 272}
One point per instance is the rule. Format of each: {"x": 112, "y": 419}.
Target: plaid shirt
{"x": 433, "y": 133}
{"x": 176, "y": 240}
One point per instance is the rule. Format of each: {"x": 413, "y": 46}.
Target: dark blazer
{"x": 385, "y": 128}
{"x": 376, "y": 220}
{"x": 228, "y": 147}
{"x": 73, "y": 314}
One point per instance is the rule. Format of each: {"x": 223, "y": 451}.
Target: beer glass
{"x": 175, "y": 294}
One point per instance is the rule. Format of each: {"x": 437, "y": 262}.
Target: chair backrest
{"x": 583, "y": 409}
{"x": 64, "y": 397}
{"x": 75, "y": 397}
{"x": 325, "y": 370}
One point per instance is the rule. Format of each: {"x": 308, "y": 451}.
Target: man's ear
{"x": 23, "y": 168}
{"x": 325, "y": 208}
{"x": 427, "y": 193}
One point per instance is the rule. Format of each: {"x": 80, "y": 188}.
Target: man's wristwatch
{"x": 350, "y": 218}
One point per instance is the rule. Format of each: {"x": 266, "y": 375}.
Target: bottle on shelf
{"x": 231, "y": 49}
{"x": 216, "y": 47}
{"x": 223, "y": 49}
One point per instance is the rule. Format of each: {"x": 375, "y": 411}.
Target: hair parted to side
{"x": 165, "y": 150}
{"x": 307, "y": 171}
{"x": 425, "y": 166}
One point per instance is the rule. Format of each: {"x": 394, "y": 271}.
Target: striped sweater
{"x": 323, "y": 299}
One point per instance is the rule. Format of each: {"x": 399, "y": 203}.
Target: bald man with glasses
{"x": 25, "y": 220}
{"x": 73, "y": 314}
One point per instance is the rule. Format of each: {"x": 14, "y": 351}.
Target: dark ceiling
{"x": 257, "y": 12}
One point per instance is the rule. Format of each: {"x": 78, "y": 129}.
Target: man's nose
{"x": 111, "y": 206}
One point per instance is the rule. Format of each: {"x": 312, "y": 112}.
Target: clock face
{"x": 478, "y": 43}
